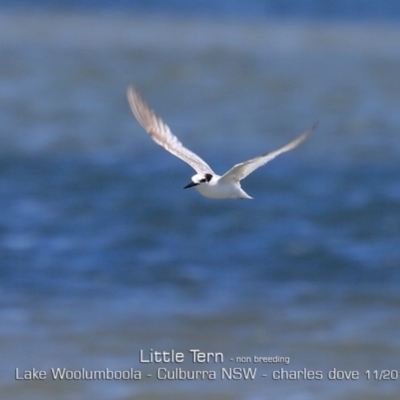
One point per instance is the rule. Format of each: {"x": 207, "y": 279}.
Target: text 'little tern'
{"x": 206, "y": 181}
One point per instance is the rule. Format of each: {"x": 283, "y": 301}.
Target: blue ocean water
{"x": 102, "y": 251}
{"x": 340, "y": 9}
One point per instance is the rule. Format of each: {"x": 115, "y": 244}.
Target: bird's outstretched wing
{"x": 161, "y": 134}
{"x": 241, "y": 170}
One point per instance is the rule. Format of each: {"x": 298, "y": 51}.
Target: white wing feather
{"x": 162, "y": 135}
{"x": 241, "y": 170}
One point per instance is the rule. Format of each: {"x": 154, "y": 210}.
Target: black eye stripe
{"x": 202, "y": 180}
{"x": 208, "y": 177}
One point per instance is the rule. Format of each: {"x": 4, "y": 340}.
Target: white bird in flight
{"x": 206, "y": 181}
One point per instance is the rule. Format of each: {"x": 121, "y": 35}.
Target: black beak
{"x": 191, "y": 184}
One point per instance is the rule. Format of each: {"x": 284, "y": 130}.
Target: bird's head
{"x": 199, "y": 179}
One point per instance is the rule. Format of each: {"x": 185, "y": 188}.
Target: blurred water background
{"x": 103, "y": 253}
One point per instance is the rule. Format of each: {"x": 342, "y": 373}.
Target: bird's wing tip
{"x": 310, "y": 130}
{"x": 130, "y": 90}
{"x": 314, "y": 126}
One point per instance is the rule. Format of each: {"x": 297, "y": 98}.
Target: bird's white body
{"x": 206, "y": 181}
{"x": 220, "y": 189}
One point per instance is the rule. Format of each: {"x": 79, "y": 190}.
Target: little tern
{"x": 206, "y": 181}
